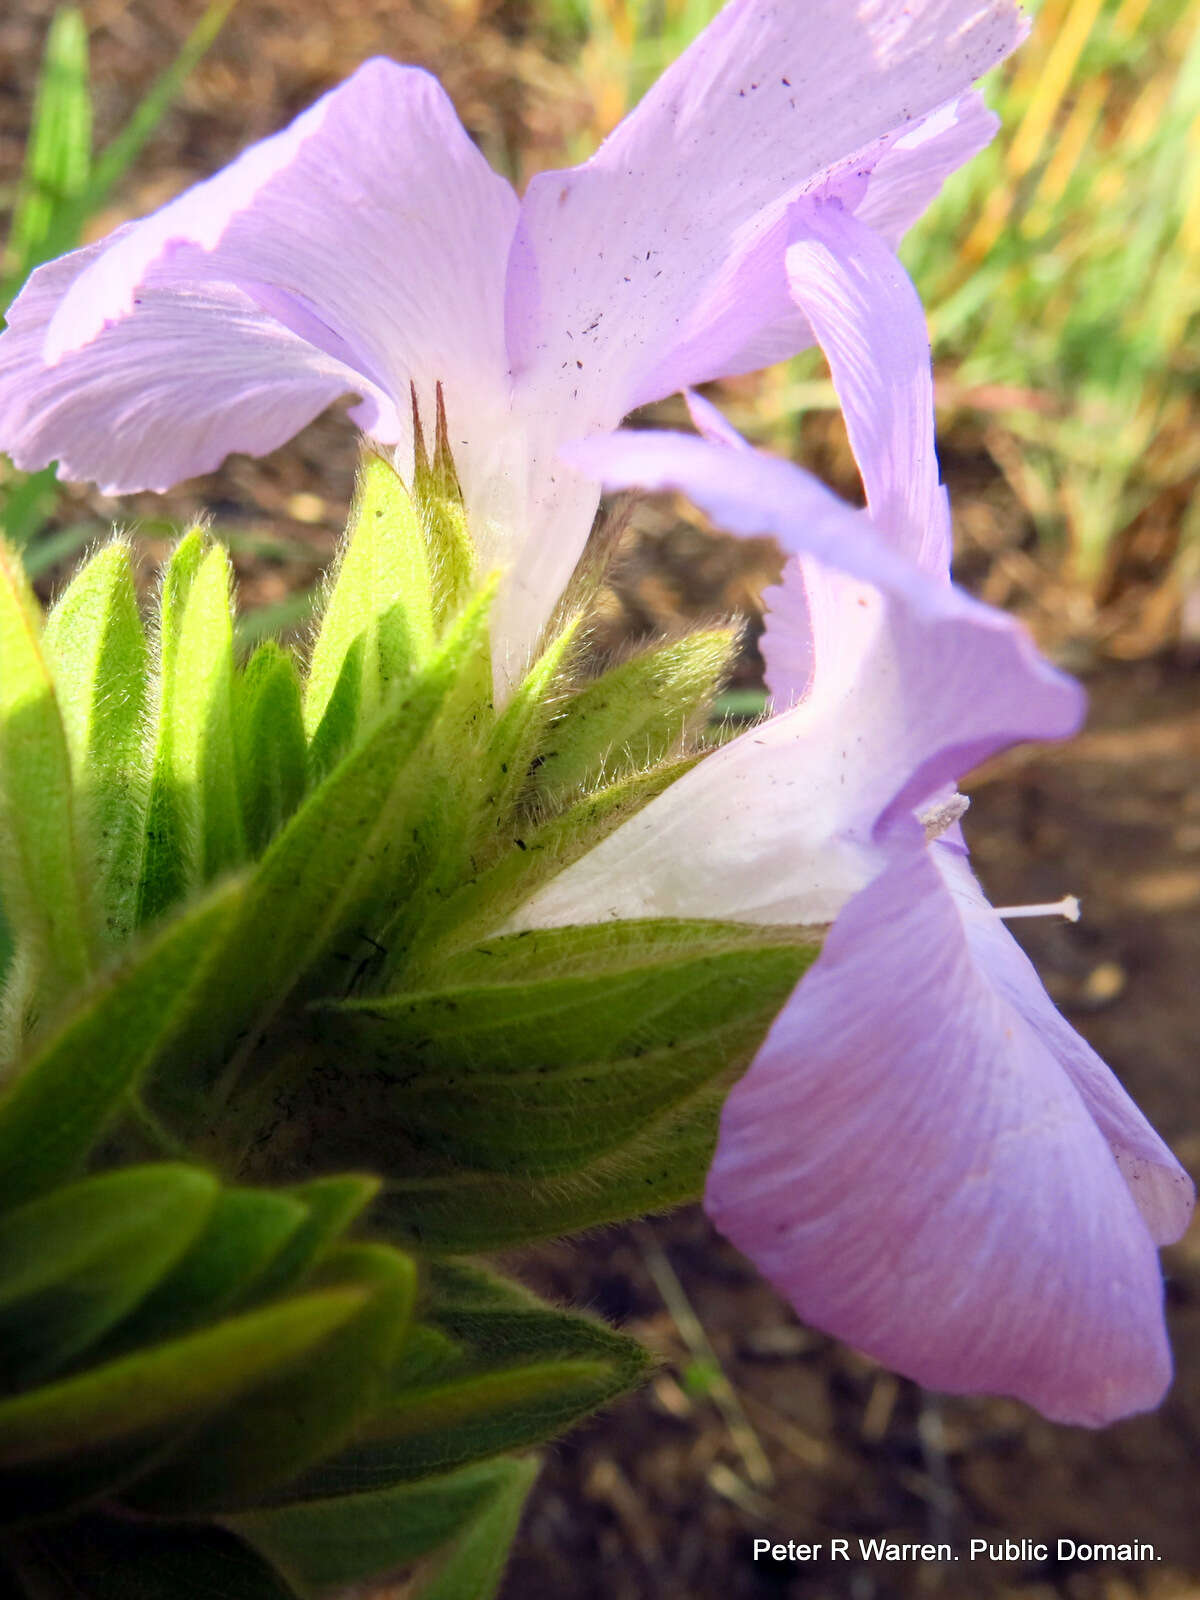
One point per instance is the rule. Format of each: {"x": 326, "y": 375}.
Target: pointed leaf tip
{"x": 96, "y": 649}
{"x": 43, "y": 877}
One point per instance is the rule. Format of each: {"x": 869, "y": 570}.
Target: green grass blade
{"x": 26, "y": 501}
{"x": 62, "y": 545}
{"x": 114, "y": 161}
{"x": 280, "y": 617}
{"x": 59, "y": 154}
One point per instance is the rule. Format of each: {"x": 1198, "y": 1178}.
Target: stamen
{"x": 1067, "y": 907}
{"x": 939, "y": 817}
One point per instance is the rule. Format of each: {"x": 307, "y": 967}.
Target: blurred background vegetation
{"x": 1062, "y": 276}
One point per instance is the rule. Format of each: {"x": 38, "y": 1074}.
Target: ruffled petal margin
{"x": 164, "y": 395}
{"x": 371, "y": 229}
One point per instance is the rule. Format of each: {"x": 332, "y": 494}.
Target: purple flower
{"x": 369, "y": 246}
{"x": 924, "y": 1157}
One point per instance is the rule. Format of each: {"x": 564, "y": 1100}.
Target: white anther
{"x": 1067, "y": 907}
{"x": 944, "y": 815}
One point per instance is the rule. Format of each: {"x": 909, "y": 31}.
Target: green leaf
{"x": 7, "y": 947}
{"x": 307, "y": 1413}
{"x": 556, "y": 1046}
{"x": 342, "y": 715}
{"x": 635, "y": 715}
{"x": 519, "y": 1374}
{"x": 463, "y": 1287}
{"x": 143, "y": 1394}
{"x": 43, "y": 882}
{"x": 453, "y": 807}
{"x": 101, "y": 1558}
{"x": 377, "y": 625}
{"x": 488, "y": 898}
{"x": 59, "y": 153}
{"x": 194, "y": 825}
{"x": 77, "y": 1261}
{"x": 439, "y": 500}
{"x": 326, "y": 1544}
{"x": 331, "y": 1205}
{"x": 518, "y": 732}
{"x": 61, "y": 1100}
{"x": 246, "y": 1231}
{"x": 475, "y": 1567}
{"x": 96, "y": 651}
{"x": 664, "y": 1166}
{"x": 621, "y": 950}
{"x": 348, "y": 844}
{"x": 272, "y": 756}
{"x": 171, "y": 859}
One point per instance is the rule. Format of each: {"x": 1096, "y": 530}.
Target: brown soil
{"x": 663, "y": 1496}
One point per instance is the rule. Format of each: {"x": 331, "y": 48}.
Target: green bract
{"x": 271, "y": 1061}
